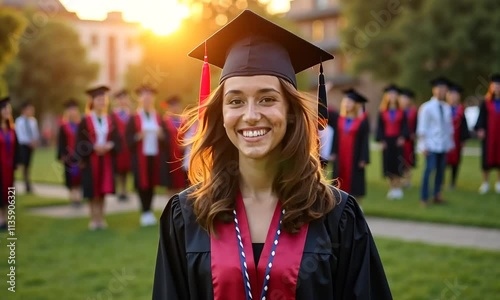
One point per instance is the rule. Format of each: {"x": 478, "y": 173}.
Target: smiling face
{"x": 254, "y": 112}
{"x": 453, "y": 98}
{"x": 5, "y": 112}
{"x": 100, "y": 103}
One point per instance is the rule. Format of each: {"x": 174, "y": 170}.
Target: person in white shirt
{"x": 28, "y": 135}
{"x": 435, "y": 138}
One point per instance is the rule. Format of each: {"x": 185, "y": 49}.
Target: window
{"x": 318, "y": 31}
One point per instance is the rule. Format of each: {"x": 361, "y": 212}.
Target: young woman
{"x": 407, "y": 104}
{"x": 66, "y": 150}
{"x": 351, "y": 151}
{"x": 97, "y": 144}
{"x": 9, "y": 156}
{"x": 392, "y": 131}
{"x": 460, "y": 131}
{"x": 121, "y": 115}
{"x": 146, "y": 138}
{"x": 173, "y": 122}
{"x": 488, "y": 128}
{"x": 260, "y": 221}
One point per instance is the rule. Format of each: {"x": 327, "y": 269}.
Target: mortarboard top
{"x": 440, "y": 81}
{"x": 251, "y": 45}
{"x": 392, "y": 88}
{"x": 354, "y": 95}
{"x": 121, "y": 93}
{"x": 453, "y": 87}
{"x": 71, "y": 103}
{"x": 97, "y": 91}
{"x": 4, "y": 101}
{"x": 495, "y": 78}
{"x": 407, "y": 92}
{"x": 145, "y": 88}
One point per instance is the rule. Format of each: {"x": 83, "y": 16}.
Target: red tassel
{"x": 205, "y": 82}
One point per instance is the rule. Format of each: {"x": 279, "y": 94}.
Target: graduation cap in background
{"x": 355, "y": 96}
{"x": 70, "y": 103}
{"x": 439, "y": 81}
{"x": 121, "y": 93}
{"x": 407, "y": 92}
{"x": 145, "y": 88}
{"x": 453, "y": 87}
{"x": 250, "y": 45}
{"x": 392, "y": 88}
{"x": 4, "y": 101}
{"x": 495, "y": 78}
{"x": 97, "y": 91}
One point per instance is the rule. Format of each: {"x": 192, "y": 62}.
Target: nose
{"x": 251, "y": 115}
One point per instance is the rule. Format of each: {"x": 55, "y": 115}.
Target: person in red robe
{"x": 97, "y": 143}
{"x": 488, "y": 129}
{"x": 9, "y": 158}
{"x": 121, "y": 115}
{"x": 148, "y": 139}
{"x": 173, "y": 121}
{"x": 460, "y": 131}
{"x": 66, "y": 150}
{"x": 392, "y": 131}
{"x": 351, "y": 153}
{"x": 407, "y": 104}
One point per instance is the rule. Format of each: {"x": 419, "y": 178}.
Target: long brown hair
{"x": 490, "y": 94}
{"x": 9, "y": 122}
{"x": 300, "y": 184}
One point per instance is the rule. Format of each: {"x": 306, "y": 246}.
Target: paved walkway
{"x": 438, "y": 234}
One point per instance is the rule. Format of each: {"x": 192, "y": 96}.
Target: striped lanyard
{"x": 243, "y": 260}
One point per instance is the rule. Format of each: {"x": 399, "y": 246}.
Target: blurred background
{"x": 53, "y": 50}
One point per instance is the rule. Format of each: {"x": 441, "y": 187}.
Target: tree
{"x": 12, "y": 24}
{"x": 51, "y": 67}
{"x": 457, "y": 39}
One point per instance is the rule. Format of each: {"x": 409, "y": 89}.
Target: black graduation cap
{"x": 440, "y": 81}
{"x": 70, "y": 103}
{"x": 250, "y": 45}
{"x": 145, "y": 88}
{"x": 455, "y": 88}
{"x": 391, "y": 88}
{"x": 121, "y": 93}
{"x": 407, "y": 92}
{"x": 354, "y": 95}
{"x": 4, "y": 101}
{"x": 495, "y": 78}
{"x": 97, "y": 91}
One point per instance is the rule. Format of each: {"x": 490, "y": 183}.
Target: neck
{"x": 496, "y": 96}
{"x": 350, "y": 114}
{"x": 148, "y": 109}
{"x": 257, "y": 177}
{"x": 99, "y": 113}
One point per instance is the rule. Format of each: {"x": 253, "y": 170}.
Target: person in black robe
{"x": 147, "y": 139}
{"x": 488, "y": 127}
{"x": 261, "y": 221}
{"x": 351, "y": 147}
{"x": 9, "y": 157}
{"x": 392, "y": 131}
{"x": 406, "y": 101}
{"x": 460, "y": 131}
{"x": 66, "y": 152}
{"x": 97, "y": 143}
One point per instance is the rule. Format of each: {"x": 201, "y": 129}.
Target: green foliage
{"x": 51, "y": 66}
{"x": 12, "y": 24}
{"x": 423, "y": 39}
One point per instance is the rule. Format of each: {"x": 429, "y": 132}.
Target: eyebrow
{"x": 261, "y": 91}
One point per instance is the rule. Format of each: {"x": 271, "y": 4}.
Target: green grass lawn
{"x": 60, "y": 259}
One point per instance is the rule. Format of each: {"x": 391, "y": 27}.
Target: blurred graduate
{"x": 97, "y": 144}
{"x": 9, "y": 157}
{"x": 488, "y": 130}
{"x": 261, "y": 220}
{"x": 407, "y": 103}
{"x": 66, "y": 150}
{"x": 121, "y": 115}
{"x": 351, "y": 152}
{"x": 147, "y": 138}
{"x": 392, "y": 131}
{"x": 460, "y": 131}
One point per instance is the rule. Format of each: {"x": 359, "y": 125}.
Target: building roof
{"x": 314, "y": 14}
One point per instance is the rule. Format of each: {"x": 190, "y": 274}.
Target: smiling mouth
{"x": 254, "y": 133}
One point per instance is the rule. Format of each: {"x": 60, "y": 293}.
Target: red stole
{"x": 70, "y": 146}
{"x": 409, "y": 145}
{"x": 492, "y": 132}
{"x": 453, "y": 157}
{"x": 123, "y": 159}
{"x": 142, "y": 160}
{"x": 227, "y": 278}
{"x": 347, "y": 144}
{"x": 392, "y": 127}
{"x": 175, "y": 155}
{"x": 101, "y": 165}
{"x": 7, "y": 156}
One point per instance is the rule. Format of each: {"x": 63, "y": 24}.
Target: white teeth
{"x": 254, "y": 133}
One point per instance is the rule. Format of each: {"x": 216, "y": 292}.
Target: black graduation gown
{"x": 339, "y": 261}
{"x": 360, "y": 151}
{"x": 164, "y": 175}
{"x": 482, "y": 123}
{"x": 69, "y": 159}
{"x": 7, "y": 170}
